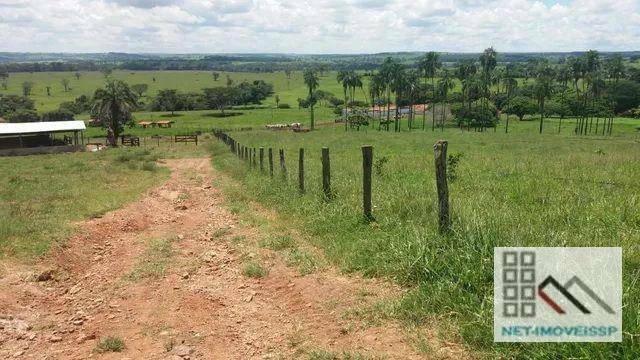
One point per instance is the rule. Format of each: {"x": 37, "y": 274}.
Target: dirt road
{"x": 165, "y": 276}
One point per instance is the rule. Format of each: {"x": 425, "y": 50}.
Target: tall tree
{"x": 343, "y": 79}
{"x": 219, "y": 97}
{"x": 397, "y": 84}
{"x": 311, "y": 80}
{"x": 615, "y": 67}
{"x": 445, "y": 84}
{"x": 488, "y": 62}
{"x": 113, "y": 105}
{"x": 168, "y": 100}
{"x": 139, "y": 89}
{"x": 510, "y": 85}
{"x": 542, "y": 90}
{"x": 465, "y": 71}
{"x": 376, "y": 91}
{"x": 430, "y": 65}
{"x": 577, "y": 68}
{"x": 412, "y": 92}
{"x": 386, "y": 75}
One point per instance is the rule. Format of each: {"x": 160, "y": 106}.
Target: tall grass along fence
{"x": 248, "y": 154}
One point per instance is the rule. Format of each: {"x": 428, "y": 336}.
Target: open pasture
{"x": 516, "y": 189}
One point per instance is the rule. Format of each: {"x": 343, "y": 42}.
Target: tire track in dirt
{"x": 200, "y": 306}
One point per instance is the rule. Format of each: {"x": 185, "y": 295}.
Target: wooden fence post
{"x": 440, "y": 152}
{"x": 270, "y": 162}
{"x": 326, "y": 173}
{"x": 261, "y": 159}
{"x": 283, "y": 167}
{"x": 301, "y": 170}
{"x": 367, "y": 163}
{"x": 253, "y": 158}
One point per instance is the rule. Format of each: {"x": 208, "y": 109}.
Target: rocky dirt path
{"x": 165, "y": 276}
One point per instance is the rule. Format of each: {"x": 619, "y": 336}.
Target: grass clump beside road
{"x": 109, "y": 344}
{"x": 516, "y": 189}
{"x": 40, "y": 196}
{"x": 254, "y": 270}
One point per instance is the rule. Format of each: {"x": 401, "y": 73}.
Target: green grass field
{"x": 41, "y": 196}
{"x": 289, "y": 90}
{"x": 516, "y": 189}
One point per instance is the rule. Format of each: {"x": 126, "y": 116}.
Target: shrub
{"x": 284, "y": 106}
{"x": 254, "y": 270}
{"x": 150, "y": 166}
{"x": 23, "y": 115}
{"x": 109, "y": 344}
{"x": 481, "y": 114}
{"x": 379, "y": 165}
{"x": 452, "y": 165}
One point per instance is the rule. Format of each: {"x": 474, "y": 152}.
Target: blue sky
{"x": 319, "y": 26}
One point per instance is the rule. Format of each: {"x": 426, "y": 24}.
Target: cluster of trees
{"x": 221, "y": 97}
{"x": 114, "y": 104}
{"x": 14, "y": 108}
{"x": 585, "y": 86}
{"x": 477, "y": 90}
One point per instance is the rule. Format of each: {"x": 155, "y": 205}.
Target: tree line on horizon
{"x": 579, "y": 86}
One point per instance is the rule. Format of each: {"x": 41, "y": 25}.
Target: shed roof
{"x": 41, "y": 127}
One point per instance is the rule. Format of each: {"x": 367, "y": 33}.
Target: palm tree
{"x": 576, "y": 66}
{"x": 398, "y": 84}
{"x": 444, "y": 86}
{"x": 510, "y": 85}
{"x": 615, "y": 67}
{"x": 464, "y": 72}
{"x": 488, "y": 62}
{"x": 311, "y": 80}
{"x": 355, "y": 82}
{"x": 542, "y": 90}
{"x": 343, "y": 78}
{"x": 113, "y": 106}
{"x": 386, "y": 74}
{"x": 431, "y": 64}
{"x": 376, "y": 90}
{"x": 423, "y": 69}
{"x": 412, "y": 85}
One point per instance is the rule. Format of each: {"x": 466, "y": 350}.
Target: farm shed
{"x": 41, "y": 137}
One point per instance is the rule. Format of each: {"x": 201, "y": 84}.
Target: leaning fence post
{"x": 301, "y": 170}
{"x": 261, "y": 159}
{"x": 283, "y": 167}
{"x": 270, "y": 162}
{"x": 326, "y": 173}
{"x": 440, "y": 152}
{"x": 367, "y": 163}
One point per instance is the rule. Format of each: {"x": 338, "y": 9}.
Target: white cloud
{"x": 327, "y": 26}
